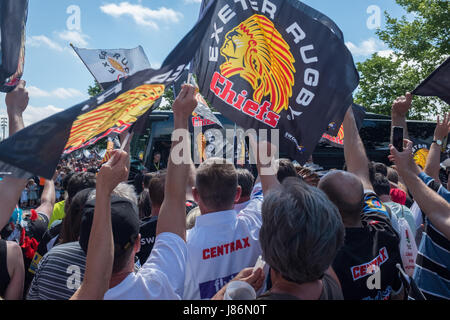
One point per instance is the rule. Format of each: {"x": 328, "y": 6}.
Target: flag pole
{"x": 100, "y": 85}
{"x": 125, "y": 142}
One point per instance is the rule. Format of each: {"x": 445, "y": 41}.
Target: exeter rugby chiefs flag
{"x": 36, "y": 150}
{"x": 437, "y": 84}
{"x": 13, "y": 18}
{"x": 109, "y": 66}
{"x": 277, "y": 64}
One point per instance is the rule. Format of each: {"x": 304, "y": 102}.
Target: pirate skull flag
{"x": 277, "y": 64}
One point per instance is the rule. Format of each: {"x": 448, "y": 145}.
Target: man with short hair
{"x": 371, "y": 247}
{"x": 285, "y": 169}
{"x": 156, "y": 164}
{"x": 222, "y": 243}
{"x": 246, "y": 181}
{"x": 148, "y": 225}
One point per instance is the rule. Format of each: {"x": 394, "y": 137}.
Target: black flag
{"x": 437, "y": 84}
{"x": 13, "y": 18}
{"x": 36, "y": 150}
{"x": 277, "y": 64}
{"x": 338, "y": 140}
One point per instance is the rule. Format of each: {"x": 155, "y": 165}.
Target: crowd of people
{"x": 368, "y": 232}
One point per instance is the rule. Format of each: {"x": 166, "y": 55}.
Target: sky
{"x": 57, "y": 79}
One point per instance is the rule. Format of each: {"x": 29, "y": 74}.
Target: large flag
{"x": 13, "y": 18}
{"x": 437, "y": 84}
{"x": 338, "y": 140}
{"x": 109, "y": 66}
{"x": 277, "y": 64}
{"x": 36, "y": 150}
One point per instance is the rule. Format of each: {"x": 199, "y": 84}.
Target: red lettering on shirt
{"x": 220, "y": 251}
{"x": 246, "y": 244}
{"x": 226, "y": 248}
{"x": 370, "y": 267}
{"x": 205, "y": 255}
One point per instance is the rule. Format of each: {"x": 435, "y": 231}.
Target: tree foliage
{"x": 420, "y": 42}
{"x": 94, "y": 90}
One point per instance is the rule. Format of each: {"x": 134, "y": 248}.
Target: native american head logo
{"x": 420, "y": 157}
{"x": 257, "y": 52}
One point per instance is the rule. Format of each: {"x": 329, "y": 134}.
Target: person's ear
{"x": 137, "y": 244}
{"x": 238, "y": 194}
{"x": 195, "y": 194}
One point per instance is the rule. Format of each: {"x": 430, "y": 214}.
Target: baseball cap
{"x": 124, "y": 219}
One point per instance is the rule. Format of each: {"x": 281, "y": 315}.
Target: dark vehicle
{"x": 375, "y": 133}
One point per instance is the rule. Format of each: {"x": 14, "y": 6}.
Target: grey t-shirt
{"x": 59, "y": 274}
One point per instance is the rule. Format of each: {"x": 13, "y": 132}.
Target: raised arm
{"x": 16, "y": 103}
{"x": 100, "y": 256}
{"x": 265, "y": 163}
{"x": 126, "y": 148}
{"x": 11, "y": 188}
{"x": 434, "y": 156}
{"x": 431, "y": 203}
{"x": 399, "y": 111}
{"x": 47, "y": 199}
{"x": 172, "y": 216}
{"x": 354, "y": 151}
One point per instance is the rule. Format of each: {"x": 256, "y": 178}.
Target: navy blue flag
{"x": 437, "y": 84}
{"x": 338, "y": 140}
{"x": 13, "y": 18}
{"x": 277, "y": 64}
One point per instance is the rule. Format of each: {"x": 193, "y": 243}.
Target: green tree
{"x": 94, "y": 90}
{"x": 169, "y": 97}
{"x": 420, "y": 43}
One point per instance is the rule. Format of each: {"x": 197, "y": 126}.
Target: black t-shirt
{"x": 148, "y": 236}
{"x": 374, "y": 245}
{"x": 154, "y": 167}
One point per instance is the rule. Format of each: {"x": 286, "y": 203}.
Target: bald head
{"x": 346, "y": 191}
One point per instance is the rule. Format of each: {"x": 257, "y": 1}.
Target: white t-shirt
{"x": 220, "y": 245}
{"x": 240, "y": 206}
{"x": 160, "y": 278}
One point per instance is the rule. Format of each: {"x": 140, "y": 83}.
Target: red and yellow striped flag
{"x": 109, "y": 149}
